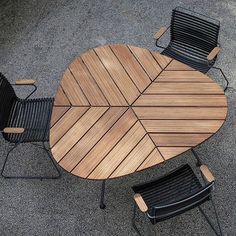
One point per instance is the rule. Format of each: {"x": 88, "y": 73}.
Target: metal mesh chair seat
{"x": 34, "y": 115}
{"x": 193, "y": 36}
{"x": 173, "y": 194}
{"x": 24, "y": 120}
{"x": 182, "y": 53}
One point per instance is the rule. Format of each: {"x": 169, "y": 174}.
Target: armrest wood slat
{"x": 160, "y": 32}
{"x": 140, "y": 202}
{"x": 13, "y": 130}
{"x": 213, "y": 53}
{"x": 207, "y": 173}
{"x": 25, "y": 82}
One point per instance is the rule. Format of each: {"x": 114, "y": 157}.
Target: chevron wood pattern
{"x": 120, "y": 109}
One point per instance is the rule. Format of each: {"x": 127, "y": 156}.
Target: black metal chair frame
{"x": 44, "y": 130}
{"x": 210, "y": 63}
{"x": 153, "y": 216}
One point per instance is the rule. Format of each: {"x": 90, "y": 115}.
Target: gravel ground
{"x": 38, "y": 40}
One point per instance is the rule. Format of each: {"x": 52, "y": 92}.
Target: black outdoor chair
{"x": 193, "y": 40}
{"x": 173, "y": 194}
{"x": 24, "y": 120}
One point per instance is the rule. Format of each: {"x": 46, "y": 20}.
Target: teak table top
{"x": 120, "y": 109}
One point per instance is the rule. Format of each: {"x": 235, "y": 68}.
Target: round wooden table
{"x": 120, "y": 109}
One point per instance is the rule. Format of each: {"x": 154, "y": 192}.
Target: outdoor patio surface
{"x": 38, "y": 40}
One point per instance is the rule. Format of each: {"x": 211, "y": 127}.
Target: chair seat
{"x": 194, "y": 57}
{"x": 171, "y": 188}
{"x": 34, "y": 115}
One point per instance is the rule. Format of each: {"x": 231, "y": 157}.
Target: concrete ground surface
{"x": 38, "y": 40}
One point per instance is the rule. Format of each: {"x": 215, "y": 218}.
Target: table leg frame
{"x": 102, "y": 205}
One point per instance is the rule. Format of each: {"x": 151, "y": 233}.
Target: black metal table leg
{"x": 102, "y": 205}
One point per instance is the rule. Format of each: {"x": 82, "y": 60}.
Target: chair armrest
{"x": 207, "y": 173}
{"x": 160, "y": 32}
{"x": 140, "y": 202}
{"x": 25, "y": 82}
{"x": 13, "y": 130}
{"x": 29, "y": 82}
{"x": 213, "y": 53}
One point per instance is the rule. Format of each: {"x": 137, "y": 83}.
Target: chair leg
{"x": 159, "y": 46}
{"x": 210, "y": 222}
{"x": 133, "y": 221}
{"x": 199, "y": 163}
{"x": 217, "y": 217}
{"x": 221, "y": 71}
{"x": 102, "y": 205}
{"x": 30, "y": 177}
{"x": 5, "y": 161}
{"x": 53, "y": 163}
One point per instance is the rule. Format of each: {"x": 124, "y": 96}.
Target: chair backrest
{"x": 170, "y": 210}
{"x": 194, "y": 29}
{"x": 7, "y": 98}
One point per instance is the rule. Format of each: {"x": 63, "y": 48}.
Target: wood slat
{"x": 135, "y": 158}
{"x": 182, "y": 140}
{"x": 118, "y": 153}
{"x": 213, "y": 53}
{"x": 103, "y": 79}
{"x": 207, "y": 173}
{"x": 87, "y": 83}
{"x": 72, "y": 90}
{"x": 153, "y": 159}
{"x": 210, "y": 113}
{"x": 57, "y": 113}
{"x": 132, "y": 66}
{"x": 146, "y": 59}
{"x": 177, "y": 65}
{"x": 170, "y": 152}
{"x": 182, "y": 126}
{"x": 162, "y": 60}
{"x": 105, "y": 145}
{"x": 76, "y": 132}
{"x": 183, "y": 76}
{"x": 13, "y": 130}
{"x": 160, "y": 32}
{"x": 60, "y": 98}
{"x": 118, "y": 74}
{"x": 184, "y": 88}
{"x": 182, "y": 100}
{"x": 101, "y": 137}
{"x": 75, "y": 155}
{"x": 140, "y": 202}
{"x": 65, "y": 123}
{"x": 25, "y": 81}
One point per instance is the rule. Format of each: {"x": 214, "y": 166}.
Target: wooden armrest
{"x": 140, "y": 202}
{"x": 207, "y": 173}
{"x": 25, "y": 82}
{"x": 213, "y": 53}
{"x": 13, "y": 130}
{"x": 160, "y": 32}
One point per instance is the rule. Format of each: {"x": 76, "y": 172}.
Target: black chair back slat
{"x": 165, "y": 212}
{"x": 173, "y": 194}
{"x": 34, "y": 115}
{"x": 194, "y": 21}
{"x": 192, "y": 38}
{"x": 193, "y": 29}
{"x": 7, "y": 99}
{"x": 159, "y": 214}
{"x": 209, "y": 32}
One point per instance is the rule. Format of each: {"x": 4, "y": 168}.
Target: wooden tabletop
{"x": 120, "y": 109}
